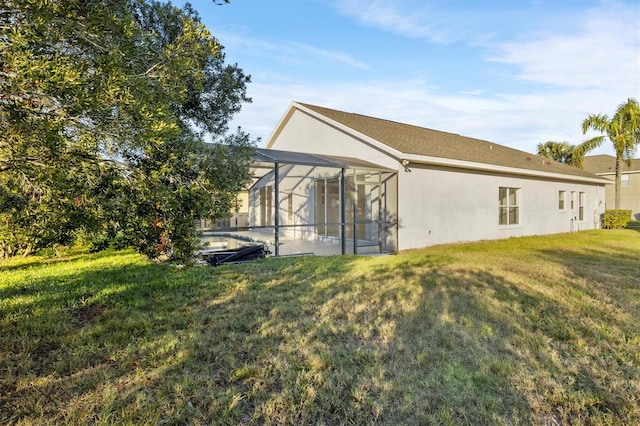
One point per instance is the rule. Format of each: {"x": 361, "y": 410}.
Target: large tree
{"x": 566, "y": 153}
{"x": 623, "y": 130}
{"x": 104, "y": 108}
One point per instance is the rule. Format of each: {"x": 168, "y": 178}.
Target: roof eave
{"x": 281, "y": 124}
{"x": 446, "y": 162}
{"x": 623, "y": 172}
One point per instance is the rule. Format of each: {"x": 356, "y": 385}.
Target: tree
{"x": 564, "y": 152}
{"x": 104, "y": 108}
{"x": 623, "y": 130}
{"x": 561, "y": 152}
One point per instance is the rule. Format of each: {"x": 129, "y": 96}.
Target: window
{"x": 266, "y": 201}
{"x": 508, "y": 206}
{"x": 624, "y": 182}
{"x": 561, "y": 197}
{"x": 573, "y": 200}
{"x": 328, "y": 207}
{"x": 357, "y": 207}
{"x": 290, "y": 208}
{"x": 581, "y": 206}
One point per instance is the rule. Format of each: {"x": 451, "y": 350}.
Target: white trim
{"x": 562, "y": 197}
{"x": 508, "y": 206}
{"x": 625, "y": 172}
{"x": 437, "y": 161}
{"x": 281, "y": 123}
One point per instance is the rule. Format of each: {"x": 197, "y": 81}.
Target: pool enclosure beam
{"x": 266, "y": 161}
{"x": 343, "y": 211}
{"x": 276, "y": 222}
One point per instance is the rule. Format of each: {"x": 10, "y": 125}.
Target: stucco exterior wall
{"x": 306, "y": 134}
{"x": 443, "y": 205}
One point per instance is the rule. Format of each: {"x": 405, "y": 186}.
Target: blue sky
{"x": 512, "y": 72}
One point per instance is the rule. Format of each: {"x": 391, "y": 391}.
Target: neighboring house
{"x": 605, "y": 166}
{"x": 405, "y": 186}
{"x": 239, "y": 216}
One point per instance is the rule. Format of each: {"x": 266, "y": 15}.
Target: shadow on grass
{"x": 633, "y": 225}
{"x": 401, "y": 340}
{"x": 36, "y": 261}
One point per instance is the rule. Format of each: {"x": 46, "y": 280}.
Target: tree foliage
{"x": 623, "y": 130}
{"x": 566, "y": 153}
{"x": 104, "y": 109}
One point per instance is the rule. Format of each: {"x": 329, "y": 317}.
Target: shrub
{"x": 616, "y": 219}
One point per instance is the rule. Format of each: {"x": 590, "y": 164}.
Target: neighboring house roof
{"x": 419, "y": 143}
{"x": 606, "y": 164}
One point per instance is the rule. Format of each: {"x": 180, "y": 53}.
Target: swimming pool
{"x": 227, "y": 241}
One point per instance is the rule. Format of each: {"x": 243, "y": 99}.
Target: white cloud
{"x": 400, "y": 18}
{"x": 475, "y": 92}
{"x": 561, "y": 75}
{"x": 603, "y": 53}
{"x": 518, "y": 121}
{"x": 286, "y": 51}
{"x": 331, "y": 55}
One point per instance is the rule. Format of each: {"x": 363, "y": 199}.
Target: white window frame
{"x": 573, "y": 200}
{"x": 624, "y": 181}
{"x": 562, "y": 197}
{"x": 581, "y": 203}
{"x": 506, "y": 207}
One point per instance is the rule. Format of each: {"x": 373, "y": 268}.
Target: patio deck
{"x": 289, "y": 246}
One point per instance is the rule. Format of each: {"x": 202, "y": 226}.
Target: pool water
{"x": 226, "y": 242}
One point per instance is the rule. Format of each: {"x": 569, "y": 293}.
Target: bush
{"x": 616, "y": 219}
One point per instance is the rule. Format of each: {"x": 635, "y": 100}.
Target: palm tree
{"x": 564, "y": 152}
{"x": 623, "y": 130}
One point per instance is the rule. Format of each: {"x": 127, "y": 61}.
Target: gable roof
{"x": 606, "y": 164}
{"x": 419, "y": 143}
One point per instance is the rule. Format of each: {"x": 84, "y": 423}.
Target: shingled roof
{"x": 606, "y": 164}
{"x": 421, "y": 141}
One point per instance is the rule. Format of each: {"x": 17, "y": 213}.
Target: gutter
{"x": 459, "y": 164}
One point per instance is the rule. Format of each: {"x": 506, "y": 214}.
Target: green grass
{"x": 540, "y": 330}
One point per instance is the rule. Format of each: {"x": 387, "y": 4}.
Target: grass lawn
{"x": 542, "y": 330}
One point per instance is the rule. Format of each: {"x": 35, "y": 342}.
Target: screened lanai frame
{"x": 351, "y": 176}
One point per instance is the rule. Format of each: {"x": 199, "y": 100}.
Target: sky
{"x": 516, "y": 73}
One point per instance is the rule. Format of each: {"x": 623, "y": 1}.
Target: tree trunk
{"x": 618, "y": 180}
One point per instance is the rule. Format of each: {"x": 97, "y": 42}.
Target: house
{"x": 605, "y": 166}
{"x": 334, "y": 175}
{"x": 239, "y": 215}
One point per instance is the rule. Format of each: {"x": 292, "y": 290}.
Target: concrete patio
{"x": 287, "y": 246}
